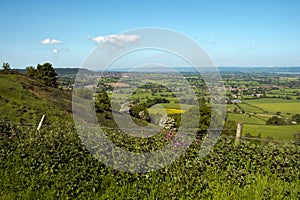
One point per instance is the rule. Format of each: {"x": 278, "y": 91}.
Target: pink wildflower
{"x": 169, "y": 135}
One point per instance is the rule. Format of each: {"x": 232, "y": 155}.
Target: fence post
{"x": 239, "y": 131}
{"x": 41, "y": 123}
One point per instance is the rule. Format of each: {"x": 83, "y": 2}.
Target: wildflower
{"x": 169, "y": 135}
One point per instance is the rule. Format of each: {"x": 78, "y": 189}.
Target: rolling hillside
{"x": 24, "y": 100}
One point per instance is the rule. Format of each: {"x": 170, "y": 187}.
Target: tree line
{"x": 43, "y": 72}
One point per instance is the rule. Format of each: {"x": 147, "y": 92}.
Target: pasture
{"x": 273, "y": 105}
{"x": 283, "y": 133}
{"x": 258, "y": 111}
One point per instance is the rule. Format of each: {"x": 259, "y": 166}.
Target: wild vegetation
{"x": 52, "y": 163}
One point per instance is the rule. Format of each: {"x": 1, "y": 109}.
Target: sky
{"x": 232, "y": 32}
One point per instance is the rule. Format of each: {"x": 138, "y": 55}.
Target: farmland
{"x": 261, "y": 96}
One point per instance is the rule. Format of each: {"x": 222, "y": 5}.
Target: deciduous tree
{"x": 47, "y": 74}
{"x": 6, "y": 66}
{"x": 30, "y": 71}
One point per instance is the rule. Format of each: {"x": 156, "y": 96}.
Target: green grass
{"x": 9, "y": 88}
{"x": 273, "y": 105}
{"x": 256, "y": 125}
{"x": 251, "y": 108}
{"x": 176, "y": 106}
{"x": 24, "y": 100}
{"x": 246, "y": 119}
{"x": 262, "y": 187}
{"x": 280, "y": 133}
{"x": 265, "y": 108}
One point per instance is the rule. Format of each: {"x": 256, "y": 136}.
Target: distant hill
{"x": 222, "y": 70}
{"x": 64, "y": 72}
{"x": 71, "y": 72}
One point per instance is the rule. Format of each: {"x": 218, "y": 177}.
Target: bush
{"x": 296, "y": 118}
{"x": 139, "y": 111}
{"x": 276, "y": 120}
{"x": 151, "y": 102}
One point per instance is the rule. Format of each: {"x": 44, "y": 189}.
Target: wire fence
{"x": 193, "y": 130}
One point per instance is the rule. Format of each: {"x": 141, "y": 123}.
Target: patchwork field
{"x": 258, "y": 111}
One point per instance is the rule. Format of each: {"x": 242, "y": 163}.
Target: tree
{"x": 140, "y": 111}
{"x": 31, "y": 71}
{"x": 6, "y": 67}
{"x": 102, "y": 102}
{"x": 276, "y": 120}
{"x": 47, "y": 74}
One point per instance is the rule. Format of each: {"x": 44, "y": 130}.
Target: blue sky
{"x": 233, "y": 33}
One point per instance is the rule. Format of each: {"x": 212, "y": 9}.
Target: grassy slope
{"x": 24, "y": 100}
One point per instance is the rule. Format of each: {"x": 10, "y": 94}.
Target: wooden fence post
{"x": 239, "y": 131}
{"x": 41, "y": 123}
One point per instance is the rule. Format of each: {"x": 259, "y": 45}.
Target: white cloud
{"x": 56, "y": 51}
{"x": 59, "y": 50}
{"x": 96, "y": 39}
{"x": 50, "y": 41}
{"x": 116, "y": 39}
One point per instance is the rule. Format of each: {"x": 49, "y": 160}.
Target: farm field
{"x": 256, "y": 125}
{"x": 284, "y": 133}
{"x": 253, "y": 112}
{"x": 258, "y": 111}
{"x": 246, "y": 119}
{"x": 264, "y": 97}
{"x": 169, "y": 108}
{"x": 277, "y": 105}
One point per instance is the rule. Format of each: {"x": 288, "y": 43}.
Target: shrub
{"x": 276, "y": 120}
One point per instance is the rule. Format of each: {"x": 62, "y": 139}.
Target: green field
{"x": 282, "y": 133}
{"x": 246, "y": 119}
{"x": 258, "y": 111}
{"x": 273, "y": 105}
